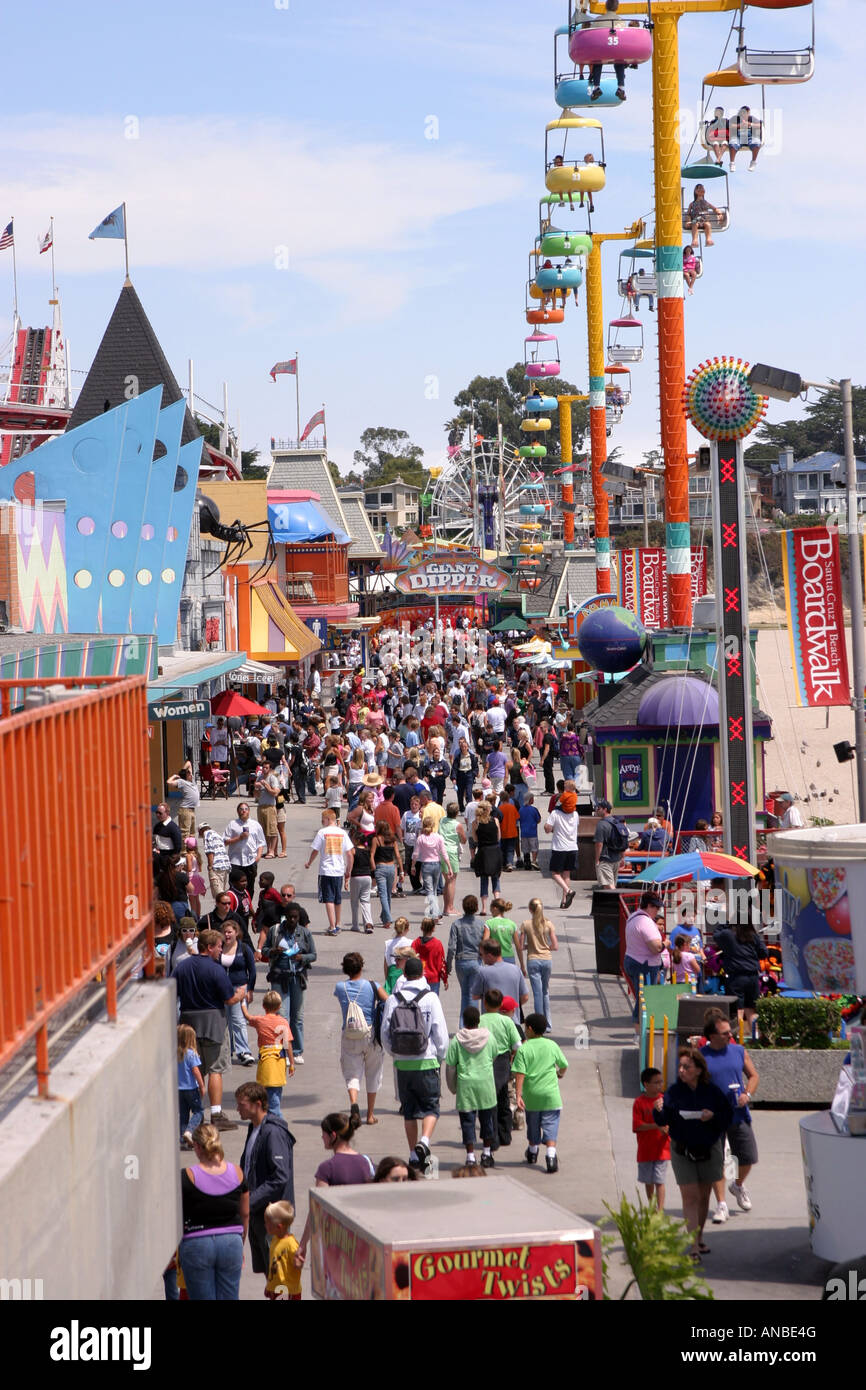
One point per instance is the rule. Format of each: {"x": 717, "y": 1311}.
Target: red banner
{"x": 502, "y": 1272}
{"x": 816, "y": 615}
{"x": 642, "y": 582}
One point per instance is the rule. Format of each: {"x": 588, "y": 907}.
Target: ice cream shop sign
{"x": 450, "y": 574}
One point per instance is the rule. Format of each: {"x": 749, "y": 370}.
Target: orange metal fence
{"x": 74, "y": 848}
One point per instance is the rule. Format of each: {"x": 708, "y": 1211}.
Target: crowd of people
{"x": 419, "y": 773}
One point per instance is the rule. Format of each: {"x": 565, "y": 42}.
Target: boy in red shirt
{"x": 432, "y": 954}
{"x": 509, "y": 822}
{"x": 653, "y": 1144}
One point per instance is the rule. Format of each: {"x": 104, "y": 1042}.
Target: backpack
{"x": 619, "y": 836}
{"x": 408, "y": 1031}
{"x": 356, "y": 1028}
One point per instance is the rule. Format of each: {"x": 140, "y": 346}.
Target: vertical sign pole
{"x": 734, "y": 654}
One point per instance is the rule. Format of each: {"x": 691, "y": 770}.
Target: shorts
{"x": 711, "y": 1169}
{"x": 745, "y": 987}
{"x": 529, "y": 844}
{"x": 561, "y": 859}
{"x": 744, "y": 1145}
{"x": 418, "y": 1093}
{"x": 215, "y": 1057}
{"x": 454, "y": 861}
{"x": 655, "y": 1170}
{"x": 605, "y": 873}
{"x": 331, "y": 888}
{"x": 267, "y": 816}
{"x": 362, "y": 1064}
{"x": 281, "y": 815}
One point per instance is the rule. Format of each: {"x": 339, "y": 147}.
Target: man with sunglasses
{"x": 246, "y": 843}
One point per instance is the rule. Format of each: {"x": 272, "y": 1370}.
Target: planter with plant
{"x": 656, "y": 1248}
{"x": 797, "y": 1052}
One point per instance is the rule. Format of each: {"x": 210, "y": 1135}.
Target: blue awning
{"x": 296, "y": 522}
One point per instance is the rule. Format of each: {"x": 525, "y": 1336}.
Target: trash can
{"x": 606, "y": 924}
{"x": 692, "y": 1007}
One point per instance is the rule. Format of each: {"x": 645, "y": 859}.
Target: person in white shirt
{"x": 496, "y": 718}
{"x": 793, "y": 817}
{"x": 418, "y": 1080}
{"x": 245, "y": 841}
{"x": 564, "y": 822}
{"x": 338, "y": 855}
{"x": 219, "y": 743}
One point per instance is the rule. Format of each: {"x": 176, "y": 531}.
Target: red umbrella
{"x": 228, "y": 702}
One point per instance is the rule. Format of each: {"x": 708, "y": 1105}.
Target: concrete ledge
{"x": 91, "y": 1175}
{"x": 801, "y": 1076}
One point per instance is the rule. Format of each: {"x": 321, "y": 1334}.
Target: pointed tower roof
{"x": 129, "y": 347}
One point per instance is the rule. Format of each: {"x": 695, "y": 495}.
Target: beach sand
{"x": 800, "y": 756}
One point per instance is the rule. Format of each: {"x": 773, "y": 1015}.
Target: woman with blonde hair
{"x": 431, "y": 854}
{"x": 538, "y": 941}
{"x": 216, "y": 1213}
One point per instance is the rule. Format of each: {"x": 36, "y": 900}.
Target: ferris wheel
{"x": 480, "y": 498}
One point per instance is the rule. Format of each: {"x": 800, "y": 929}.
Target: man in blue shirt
{"x": 203, "y": 990}
{"x": 529, "y": 816}
{"x": 728, "y": 1063}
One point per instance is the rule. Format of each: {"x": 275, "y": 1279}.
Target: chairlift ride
{"x": 551, "y": 201}
{"x": 625, "y": 340}
{"x": 539, "y": 405}
{"x": 761, "y": 65}
{"x": 569, "y": 88}
{"x": 539, "y": 360}
{"x": 701, "y": 171}
{"x": 556, "y": 243}
{"x": 566, "y": 177}
{"x": 532, "y": 451}
{"x": 607, "y": 40}
{"x": 617, "y": 391}
{"x": 626, "y": 272}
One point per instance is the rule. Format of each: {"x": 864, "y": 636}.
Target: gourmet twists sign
{"x": 816, "y": 622}
{"x": 448, "y": 574}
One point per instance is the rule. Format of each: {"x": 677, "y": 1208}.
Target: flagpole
{"x": 125, "y": 243}
{"x": 53, "y": 276}
{"x": 14, "y": 279}
{"x": 298, "y": 396}
{"x": 324, "y": 427}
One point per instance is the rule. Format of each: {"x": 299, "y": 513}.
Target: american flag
{"x": 6, "y": 238}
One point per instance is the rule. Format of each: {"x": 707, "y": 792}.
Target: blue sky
{"x": 259, "y": 128}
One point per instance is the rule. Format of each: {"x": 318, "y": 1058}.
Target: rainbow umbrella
{"x": 703, "y": 864}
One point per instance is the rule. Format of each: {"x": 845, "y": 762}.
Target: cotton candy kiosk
{"x": 822, "y": 879}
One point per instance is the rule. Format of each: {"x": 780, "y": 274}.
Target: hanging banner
{"x": 816, "y": 617}
{"x": 642, "y": 582}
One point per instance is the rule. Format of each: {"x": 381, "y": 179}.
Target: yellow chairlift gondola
{"x": 568, "y": 178}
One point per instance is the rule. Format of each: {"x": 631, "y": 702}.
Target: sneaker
{"x": 186, "y": 1141}
{"x": 552, "y": 1163}
{"x": 744, "y": 1201}
{"x": 423, "y": 1156}
{"x": 248, "y": 1060}
{"x": 596, "y": 95}
{"x": 721, "y": 1214}
{"x": 530, "y": 1156}
{"x": 222, "y": 1123}
{"x": 488, "y": 1161}
{"x": 620, "y": 92}
{"x": 299, "y": 1059}
{"x": 332, "y": 931}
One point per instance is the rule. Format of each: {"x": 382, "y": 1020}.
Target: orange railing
{"x": 75, "y": 850}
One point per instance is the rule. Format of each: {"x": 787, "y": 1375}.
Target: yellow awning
{"x": 269, "y": 608}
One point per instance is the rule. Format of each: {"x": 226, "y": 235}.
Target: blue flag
{"x": 113, "y": 226}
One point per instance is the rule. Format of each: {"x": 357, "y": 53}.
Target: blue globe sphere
{"x": 612, "y": 639}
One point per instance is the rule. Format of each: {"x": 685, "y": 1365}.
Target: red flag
{"x": 317, "y": 419}
{"x": 289, "y": 368}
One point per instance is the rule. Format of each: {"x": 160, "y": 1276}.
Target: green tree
{"x": 820, "y": 429}
{"x": 491, "y": 400}
{"x": 386, "y": 453}
{"x": 211, "y": 434}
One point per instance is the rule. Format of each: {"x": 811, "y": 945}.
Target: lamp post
{"x": 784, "y": 386}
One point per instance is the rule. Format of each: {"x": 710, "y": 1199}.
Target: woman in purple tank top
{"x": 216, "y": 1213}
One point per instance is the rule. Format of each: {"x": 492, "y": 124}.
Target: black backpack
{"x": 619, "y": 836}
{"x": 408, "y": 1031}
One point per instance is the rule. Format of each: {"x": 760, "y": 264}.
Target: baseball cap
{"x": 603, "y": 805}
{"x": 509, "y": 1004}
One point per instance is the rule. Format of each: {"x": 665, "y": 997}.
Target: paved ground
{"x": 764, "y": 1253}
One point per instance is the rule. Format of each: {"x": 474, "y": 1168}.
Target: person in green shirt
{"x": 507, "y": 1039}
{"x": 469, "y": 1073}
{"x": 500, "y": 928}
{"x": 537, "y": 1068}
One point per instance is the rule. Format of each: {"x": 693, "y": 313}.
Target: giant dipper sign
{"x": 447, "y": 574}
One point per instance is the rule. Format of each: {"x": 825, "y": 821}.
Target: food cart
{"x": 491, "y": 1238}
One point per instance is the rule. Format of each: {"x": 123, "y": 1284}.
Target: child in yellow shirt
{"x": 284, "y": 1276}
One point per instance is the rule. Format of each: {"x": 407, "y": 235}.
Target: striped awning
{"x": 276, "y": 631}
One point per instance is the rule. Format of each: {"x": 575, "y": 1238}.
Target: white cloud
{"x": 211, "y": 195}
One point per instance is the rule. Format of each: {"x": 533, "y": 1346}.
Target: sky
{"x": 360, "y": 184}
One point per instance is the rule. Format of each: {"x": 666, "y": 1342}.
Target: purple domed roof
{"x": 679, "y": 700}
